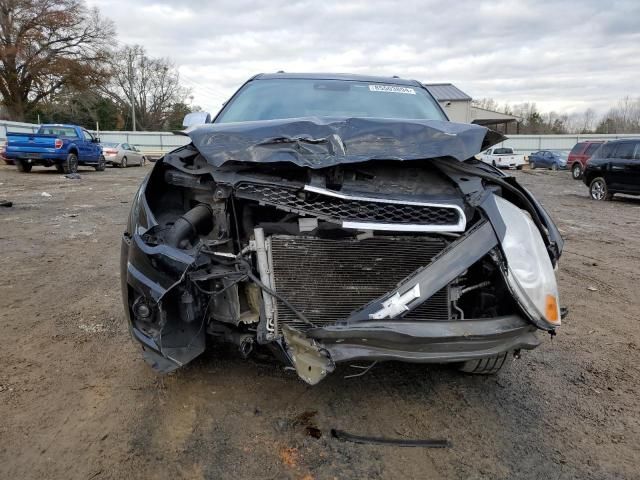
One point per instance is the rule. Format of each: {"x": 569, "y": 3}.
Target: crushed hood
{"x": 322, "y": 142}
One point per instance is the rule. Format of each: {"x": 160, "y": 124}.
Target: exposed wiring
{"x": 364, "y": 371}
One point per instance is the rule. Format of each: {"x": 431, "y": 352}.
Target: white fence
{"x": 157, "y": 143}
{"x": 530, "y": 143}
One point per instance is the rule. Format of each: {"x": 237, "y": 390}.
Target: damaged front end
{"x": 325, "y": 253}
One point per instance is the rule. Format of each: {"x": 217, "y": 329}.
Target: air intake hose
{"x": 197, "y": 221}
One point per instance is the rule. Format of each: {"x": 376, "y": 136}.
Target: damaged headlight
{"x": 530, "y": 274}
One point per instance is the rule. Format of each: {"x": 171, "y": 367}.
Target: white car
{"x": 122, "y": 155}
{"x": 503, "y": 157}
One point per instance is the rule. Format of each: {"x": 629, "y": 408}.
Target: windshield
{"x": 109, "y": 144}
{"x": 280, "y": 98}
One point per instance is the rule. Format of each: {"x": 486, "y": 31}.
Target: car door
{"x": 136, "y": 154}
{"x": 129, "y": 153}
{"x": 619, "y": 166}
{"x": 89, "y": 149}
{"x": 632, "y": 170}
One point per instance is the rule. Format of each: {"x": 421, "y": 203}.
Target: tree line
{"x": 60, "y": 62}
{"x": 623, "y": 117}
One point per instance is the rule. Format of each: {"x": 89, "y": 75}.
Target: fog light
{"x": 141, "y": 309}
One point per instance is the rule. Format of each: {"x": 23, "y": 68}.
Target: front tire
{"x": 598, "y": 189}
{"x": 70, "y": 165}
{"x": 143, "y": 161}
{"x": 487, "y": 366}
{"x": 123, "y": 162}
{"x": 102, "y": 163}
{"x": 554, "y": 167}
{"x": 23, "y": 166}
{"x": 576, "y": 171}
{"x": 532, "y": 165}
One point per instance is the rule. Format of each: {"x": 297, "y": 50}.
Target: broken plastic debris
{"x": 592, "y": 289}
{"x": 45, "y": 194}
{"x": 73, "y": 176}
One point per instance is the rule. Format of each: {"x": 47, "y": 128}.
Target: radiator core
{"x": 326, "y": 280}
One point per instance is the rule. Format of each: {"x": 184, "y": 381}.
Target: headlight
{"x": 530, "y": 275}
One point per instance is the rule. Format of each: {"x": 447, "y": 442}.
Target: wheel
{"x": 143, "y": 161}
{"x": 486, "y": 366}
{"x": 123, "y": 162}
{"x": 59, "y": 168}
{"x": 518, "y": 167}
{"x": 554, "y": 167}
{"x": 102, "y": 163}
{"x": 576, "y": 171}
{"x": 70, "y": 165}
{"x": 532, "y": 165}
{"x": 598, "y": 189}
{"x": 23, "y": 166}
{"x": 494, "y": 163}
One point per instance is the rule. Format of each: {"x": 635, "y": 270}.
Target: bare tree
{"x": 46, "y": 45}
{"x": 151, "y": 85}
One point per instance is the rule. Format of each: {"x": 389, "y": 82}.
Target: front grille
{"x": 326, "y": 280}
{"x": 347, "y": 210}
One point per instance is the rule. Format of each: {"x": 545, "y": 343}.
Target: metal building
{"x": 458, "y": 106}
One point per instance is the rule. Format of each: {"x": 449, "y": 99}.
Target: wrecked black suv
{"x": 333, "y": 218}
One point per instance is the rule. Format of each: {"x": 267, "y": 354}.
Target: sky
{"x": 565, "y": 56}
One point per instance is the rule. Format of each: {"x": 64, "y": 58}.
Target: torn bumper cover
{"x": 325, "y": 253}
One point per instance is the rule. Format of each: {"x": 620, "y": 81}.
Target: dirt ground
{"x": 78, "y": 402}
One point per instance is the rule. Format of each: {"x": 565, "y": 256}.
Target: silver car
{"x": 122, "y": 154}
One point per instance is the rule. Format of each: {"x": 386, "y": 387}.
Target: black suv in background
{"x": 614, "y": 168}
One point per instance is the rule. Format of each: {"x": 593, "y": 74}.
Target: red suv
{"x": 580, "y": 153}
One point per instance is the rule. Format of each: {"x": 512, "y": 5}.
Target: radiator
{"x": 326, "y": 280}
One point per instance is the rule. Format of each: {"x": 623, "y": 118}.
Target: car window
{"x": 87, "y": 136}
{"x": 503, "y": 151}
{"x": 488, "y": 152}
{"x": 577, "y": 148}
{"x": 606, "y": 151}
{"x": 591, "y": 148}
{"x": 280, "y": 98}
{"x": 125, "y": 146}
{"x": 68, "y": 132}
{"x": 625, "y": 150}
{"x": 637, "y": 152}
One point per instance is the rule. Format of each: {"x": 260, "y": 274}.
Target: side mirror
{"x": 95, "y": 140}
{"x": 196, "y": 118}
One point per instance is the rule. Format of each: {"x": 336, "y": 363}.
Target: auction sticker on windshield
{"x": 392, "y": 89}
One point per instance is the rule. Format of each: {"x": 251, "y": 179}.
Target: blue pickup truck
{"x": 62, "y": 146}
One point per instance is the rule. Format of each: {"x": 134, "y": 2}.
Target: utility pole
{"x": 130, "y": 72}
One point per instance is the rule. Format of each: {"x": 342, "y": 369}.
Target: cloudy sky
{"x": 563, "y": 55}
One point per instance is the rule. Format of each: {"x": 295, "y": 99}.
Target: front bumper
{"x": 426, "y": 342}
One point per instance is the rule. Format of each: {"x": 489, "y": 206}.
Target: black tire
{"x": 554, "y": 167}
{"x": 487, "y": 366}
{"x": 532, "y": 165}
{"x": 493, "y": 162}
{"x": 102, "y": 163}
{"x": 24, "y": 167}
{"x": 59, "y": 168}
{"x": 576, "y": 171}
{"x": 123, "y": 162}
{"x": 70, "y": 165}
{"x": 143, "y": 161}
{"x": 518, "y": 167}
{"x": 598, "y": 189}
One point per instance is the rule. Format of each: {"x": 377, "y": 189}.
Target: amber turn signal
{"x": 551, "y": 310}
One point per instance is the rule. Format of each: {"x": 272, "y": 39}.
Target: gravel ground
{"x": 78, "y": 402}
